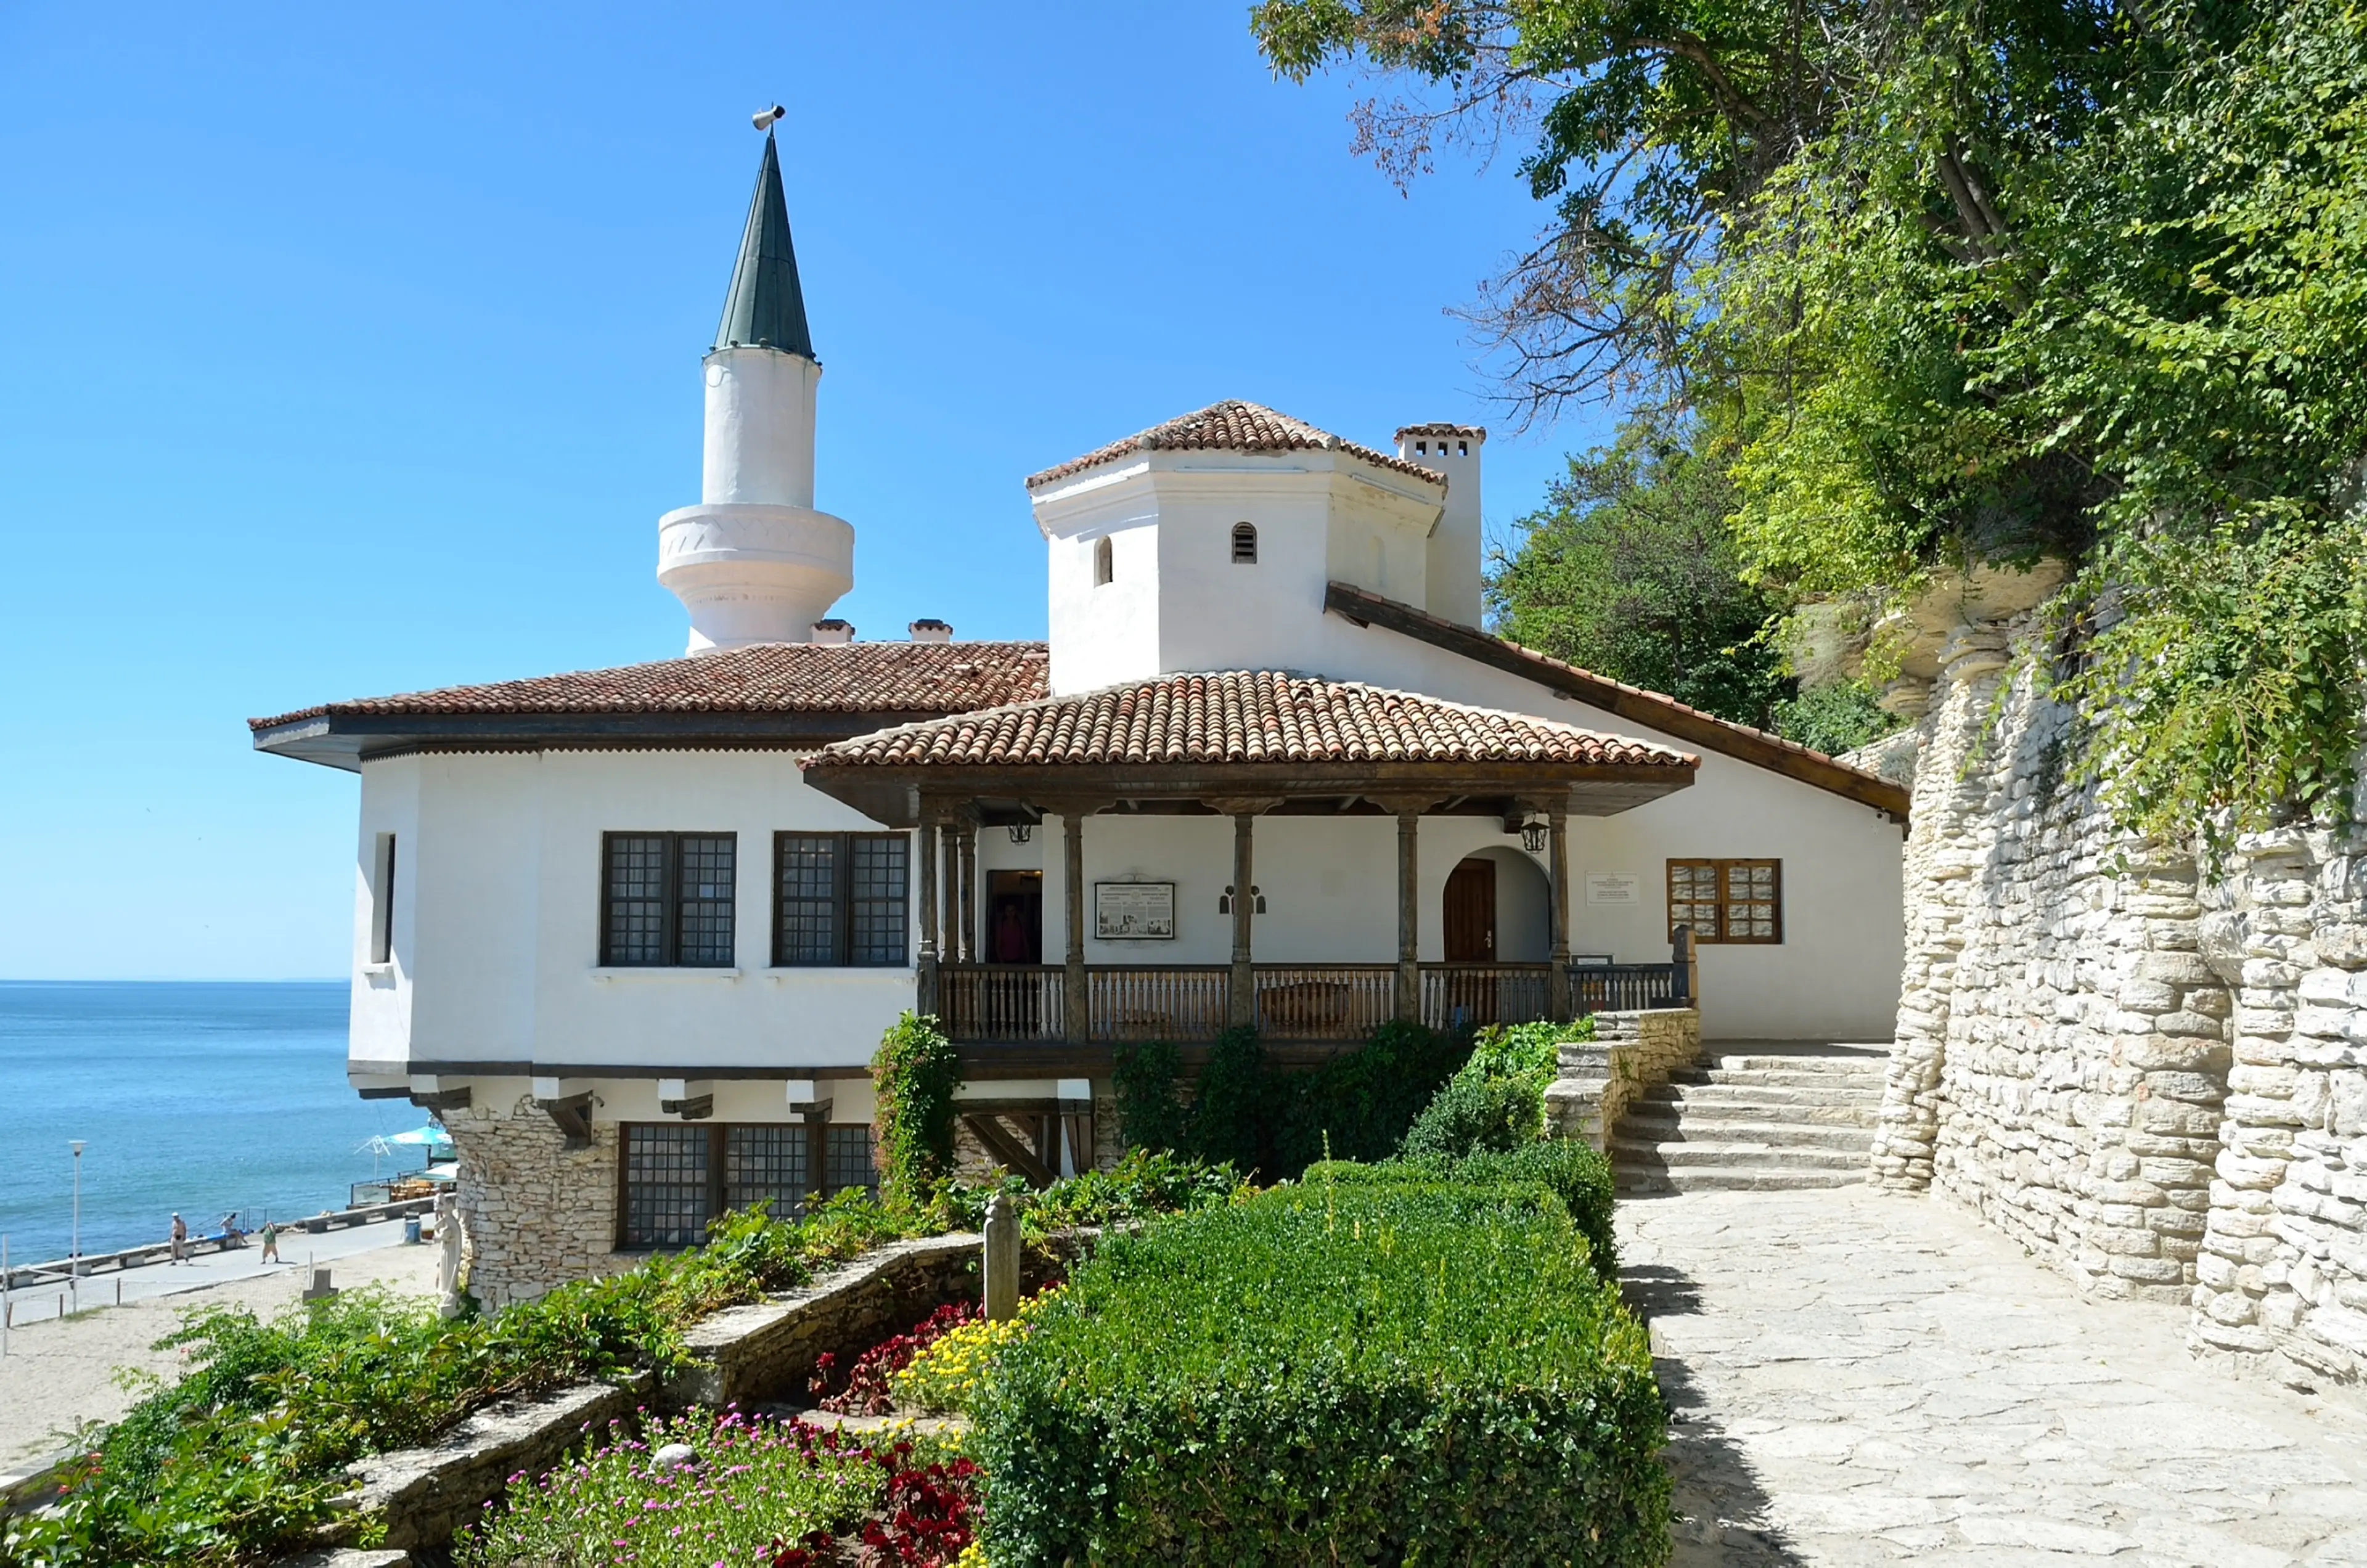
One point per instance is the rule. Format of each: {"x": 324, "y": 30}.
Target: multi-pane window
{"x": 677, "y": 1177}
{"x": 1728, "y": 900}
{"x": 667, "y": 1201}
{"x": 839, "y": 898}
{"x": 850, "y": 1160}
{"x": 667, "y": 899}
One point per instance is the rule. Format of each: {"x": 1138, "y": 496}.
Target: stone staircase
{"x": 1753, "y": 1122}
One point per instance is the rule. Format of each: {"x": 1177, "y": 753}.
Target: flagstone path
{"x": 1860, "y": 1377}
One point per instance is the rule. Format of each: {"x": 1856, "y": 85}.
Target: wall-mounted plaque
{"x": 1134, "y": 911}
{"x": 1614, "y": 888}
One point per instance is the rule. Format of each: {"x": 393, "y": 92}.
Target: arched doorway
{"x": 1494, "y": 916}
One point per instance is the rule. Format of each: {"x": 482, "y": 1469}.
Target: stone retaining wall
{"x": 2145, "y": 1071}
{"x": 1601, "y": 1078}
{"x": 744, "y": 1354}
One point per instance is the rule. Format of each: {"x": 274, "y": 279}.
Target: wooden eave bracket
{"x": 573, "y": 1116}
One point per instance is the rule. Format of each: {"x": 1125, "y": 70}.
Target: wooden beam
{"x": 1008, "y": 1149}
{"x": 1076, "y": 1001}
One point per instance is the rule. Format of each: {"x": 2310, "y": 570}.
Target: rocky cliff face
{"x": 2146, "y": 1070}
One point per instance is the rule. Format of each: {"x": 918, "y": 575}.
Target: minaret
{"x": 753, "y": 562}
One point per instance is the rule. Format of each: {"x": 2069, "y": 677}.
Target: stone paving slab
{"x": 1861, "y": 1377}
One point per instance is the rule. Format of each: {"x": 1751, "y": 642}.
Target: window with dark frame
{"x": 1728, "y": 900}
{"x": 1105, "y": 562}
{"x": 676, "y": 1177}
{"x": 382, "y": 902}
{"x": 1245, "y": 544}
{"x": 840, "y": 899}
{"x": 667, "y": 899}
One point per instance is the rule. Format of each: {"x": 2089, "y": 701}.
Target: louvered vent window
{"x": 1244, "y": 544}
{"x": 1104, "y": 565}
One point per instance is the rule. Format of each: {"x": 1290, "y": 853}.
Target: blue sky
{"x": 347, "y": 350}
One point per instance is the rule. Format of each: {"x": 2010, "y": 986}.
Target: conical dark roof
{"x": 767, "y": 309}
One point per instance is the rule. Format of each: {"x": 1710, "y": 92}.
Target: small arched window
{"x": 1245, "y": 544}
{"x": 1105, "y": 564}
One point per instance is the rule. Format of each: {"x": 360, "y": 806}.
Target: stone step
{"x": 1804, "y": 1064}
{"x": 1705, "y": 1095}
{"x": 1695, "y": 1128}
{"x": 1787, "y": 1078}
{"x": 1638, "y": 1181}
{"x": 1739, "y": 1153}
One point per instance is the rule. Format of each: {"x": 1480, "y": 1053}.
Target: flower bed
{"x": 1387, "y": 1371}
{"x": 704, "y": 1489}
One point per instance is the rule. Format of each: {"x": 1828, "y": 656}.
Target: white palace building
{"x": 635, "y": 933}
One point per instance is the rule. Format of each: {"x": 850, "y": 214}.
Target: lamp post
{"x": 74, "y": 1268}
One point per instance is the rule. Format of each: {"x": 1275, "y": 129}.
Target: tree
{"x": 1971, "y": 280}
{"x": 1631, "y": 571}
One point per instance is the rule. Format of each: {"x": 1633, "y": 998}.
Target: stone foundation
{"x": 534, "y": 1214}
{"x": 1601, "y": 1078}
{"x": 2145, "y": 1072}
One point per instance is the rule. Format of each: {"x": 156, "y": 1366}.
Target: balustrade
{"x": 1186, "y": 1004}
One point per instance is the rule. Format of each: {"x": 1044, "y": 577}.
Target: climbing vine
{"x": 914, "y": 1076}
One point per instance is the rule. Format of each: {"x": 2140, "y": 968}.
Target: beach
{"x": 60, "y": 1374}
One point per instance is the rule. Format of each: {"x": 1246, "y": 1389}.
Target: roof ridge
{"x": 1232, "y": 424}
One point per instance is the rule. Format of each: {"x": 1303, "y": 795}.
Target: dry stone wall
{"x": 534, "y": 1212}
{"x": 2146, "y": 1070}
{"x": 1631, "y": 1052}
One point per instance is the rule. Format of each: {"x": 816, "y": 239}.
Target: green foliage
{"x": 1149, "y": 1083}
{"x": 757, "y": 1483}
{"x": 1632, "y": 573}
{"x": 1385, "y": 1373}
{"x": 1834, "y": 718}
{"x": 1252, "y": 1116}
{"x": 1577, "y": 1175}
{"x": 244, "y": 1456}
{"x": 1146, "y": 1183}
{"x": 1496, "y": 1099}
{"x": 914, "y": 1072}
{"x": 1967, "y": 283}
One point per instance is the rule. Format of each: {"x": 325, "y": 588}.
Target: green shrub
{"x": 1149, "y": 1084}
{"x": 1360, "y": 1103}
{"x": 1576, "y": 1174}
{"x": 914, "y": 1072}
{"x": 1390, "y": 1372}
{"x": 1233, "y": 1115}
{"x": 1496, "y": 1100}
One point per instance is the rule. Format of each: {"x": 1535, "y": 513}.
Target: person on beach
{"x": 180, "y": 1239}
{"x": 270, "y": 1242}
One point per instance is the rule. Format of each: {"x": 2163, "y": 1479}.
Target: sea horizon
{"x": 199, "y": 1097}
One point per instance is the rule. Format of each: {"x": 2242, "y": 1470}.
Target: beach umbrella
{"x": 431, "y": 1136}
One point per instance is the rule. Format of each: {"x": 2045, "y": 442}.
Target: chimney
{"x": 928, "y": 629}
{"x": 1451, "y": 575}
{"x": 834, "y": 632}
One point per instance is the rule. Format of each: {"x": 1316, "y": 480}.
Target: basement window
{"x": 678, "y": 1176}
{"x": 1244, "y": 544}
{"x": 1105, "y": 564}
{"x": 1727, "y": 900}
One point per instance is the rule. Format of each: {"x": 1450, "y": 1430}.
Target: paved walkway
{"x": 1863, "y": 1377}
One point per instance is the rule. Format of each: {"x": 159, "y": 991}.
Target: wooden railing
{"x": 1189, "y": 1003}
{"x": 1150, "y": 1002}
{"x": 1625, "y": 987}
{"x": 1324, "y": 1001}
{"x": 1000, "y": 1003}
{"x": 1469, "y": 996}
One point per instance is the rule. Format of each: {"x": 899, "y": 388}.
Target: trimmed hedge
{"x": 1385, "y": 1370}
{"x": 1575, "y": 1173}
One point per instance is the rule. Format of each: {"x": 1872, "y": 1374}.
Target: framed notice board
{"x": 1134, "y": 911}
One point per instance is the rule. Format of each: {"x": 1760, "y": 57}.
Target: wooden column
{"x": 1557, "y": 872}
{"x": 926, "y": 1002}
{"x": 1241, "y": 1008}
{"x": 1077, "y": 1000}
{"x": 966, "y": 928}
{"x": 1409, "y": 917}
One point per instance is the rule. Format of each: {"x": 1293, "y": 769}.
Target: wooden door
{"x": 1471, "y": 912}
{"x": 1014, "y": 917}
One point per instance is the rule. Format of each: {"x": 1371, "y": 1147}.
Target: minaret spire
{"x": 767, "y": 307}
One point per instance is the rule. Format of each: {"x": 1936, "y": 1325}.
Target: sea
{"x": 199, "y": 1097}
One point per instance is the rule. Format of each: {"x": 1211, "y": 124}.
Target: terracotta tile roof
{"x": 1469, "y": 432}
{"x": 1635, "y": 704}
{"x": 1232, "y": 426}
{"x": 1241, "y": 716}
{"x": 861, "y": 677}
